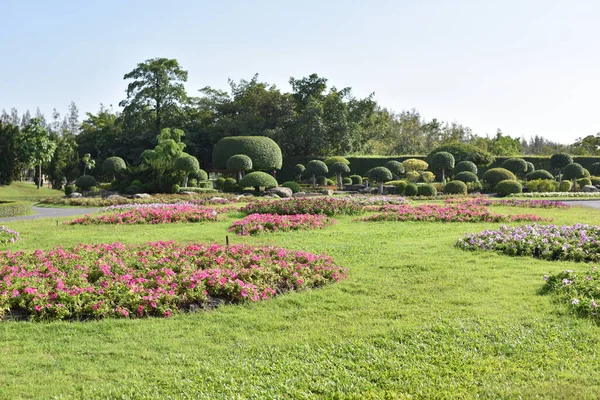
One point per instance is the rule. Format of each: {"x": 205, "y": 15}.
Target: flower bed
{"x": 198, "y": 199}
{"x": 444, "y": 213}
{"x": 376, "y": 200}
{"x": 486, "y": 201}
{"x": 124, "y": 207}
{"x": 155, "y": 214}
{"x": 549, "y": 242}
{"x": 306, "y": 205}
{"x": 255, "y": 224}
{"x": 580, "y": 292}
{"x": 558, "y": 194}
{"x": 8, "y": 235}
{"x": 152, "y": 279}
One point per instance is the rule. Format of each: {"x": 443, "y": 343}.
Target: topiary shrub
{"x": 292, "y": 185}
{"x": 336, "y": 159}
{"x": 186, "y": 164}
{"x": 573, "y": 171}
{"x": 175, "y": 188}
{"x": 321, "y": 180}
{"x": 583, "y": 182}
{"x": 133, "y": 190}
{"x": 137, "y": 183}
{"x": 346, "y": 181}
{"x": 474, "y": 186}
{"x": 466, "y": 176}
{"x": 193, "y": 182}
{"x": 413, "y": 176}
{"x": 530, "y": 167}
{"x": 456, "y": 187}
{"x": 411, "y": 189}
{"x": 541, "y": 185}
{"x": 465, "y": 166}
{"x": 315, "y": 168}
{"x": 427, "y": 176}
{"x": 401, "y": 186}
{"x": 586, "y": 173}
{"x": 559, "y": 161}
{"x": 299, "y": 170}
{"x": 595, "y": 180}
{"x": 442, "y": 161}
{"x": 465, "y": 152}
{"x": 113, "y": 165}
{"x": 427, "y": 190}
{"x": 264, "y": 152}
{"x": 395, "y": 167}
{"x": 356, "y": 179}
{"x": 239, "y": 164}
{"x": 539, "y": 174}
{"x": 218, "y": 183}
{"x": 339, "y": 168}
{"x": 517, "y": 166}
{"x": 595, "y": 169}
{"x": 230, "y": 185}
{"x": 330, "y": 182}
{"x": 494, "y": 175}
{"x": 257, "y": 180}
{"x": 413, "y": 164}
{"x": 85, "y": 182}
{"x": 380, "y": 175}
{"x": 506, "y": 187}
{"x": 69, "y": 189}
{"x": 564, "y": 186}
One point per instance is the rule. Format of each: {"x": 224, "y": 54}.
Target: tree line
{"x": 312, "y": 119}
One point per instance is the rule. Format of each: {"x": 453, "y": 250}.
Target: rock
{"x": 186, "y": 192}
{"x": 248, "y": 194}
{"x": 589, "y": 189}
{"x": 141, "y": 196}
{"x": 282, "y": 192}
{"x": 327, "y": 192}
{"x": 115, "y": 197}
{"x": 74, "y": 195}
{"x": 369, "y": 190}
{"x": 272, "y": 196}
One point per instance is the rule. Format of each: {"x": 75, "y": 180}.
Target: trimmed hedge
{"x": 427, "y": 190}
{"x": 292, "y": 185}
{"x": 15, "y": 208}
{"x": 466, "y": 176}
{"x": 464, "y": 152}
{"x": 411, "y": 189}
{"x": 356, "y": 179}
{"x": 455, "y": 187}
{"x": 493, "y": 176}
{"x": 509, "y": 186}
{"x": 539, "y": 174}
{"x": 264, "y": 152}
{"x": 198, "y": 190}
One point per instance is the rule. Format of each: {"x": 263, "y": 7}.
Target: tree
{"x": 113, "y": 165}
{"x": 257, "y": 180}
{"x": 239, "y": 164}
{"x": 161, "y": 159}
{"x": 574, "y": 171}
{"x": 559, "y": 161}
{"x": 88, "y": 162}
{"x": 442, "y": 161}
{"x": 8, "y": 138}
{"x": 263, "y": 151}
{"x": 380, "y": 175}
{"x": 35, "y": 146}
{"x": 396, "y": 168}
{"x": 188, "y": 165}
{"x": 517, "y": 166}
{"x": 314, "y": 168}
{"x": 339, "y": 168}
{"x": 157, "y": 86}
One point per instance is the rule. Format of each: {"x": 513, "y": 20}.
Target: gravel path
{"x": 43, "y": 212}
{"x": 585, "y": 203}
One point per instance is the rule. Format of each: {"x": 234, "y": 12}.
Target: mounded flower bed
{"x": 153, "y": 214}
{"x": 577, "y": 242}
{"x": 8, "y": 235}
{"x": 485, "y": 201}
{"x": 580, "y": 292}
{"x": 306, "y": 205}
{"x": 255, "y": 224}
{"x": 444, "y": 213}
{"x": 152, "y": 279}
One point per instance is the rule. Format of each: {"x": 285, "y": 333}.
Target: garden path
{"x": 45, "y": 212}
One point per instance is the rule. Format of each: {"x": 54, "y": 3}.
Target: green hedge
{"x": 15, "y": 208}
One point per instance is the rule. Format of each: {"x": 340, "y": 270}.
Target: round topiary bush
{"x": 321, "y": 180}
{"x": 219, "y": 183}
{"x": 263, "y": 151}
{"x": 414, "y": 164}
{"x": 427, "y": 190}
{"x": 69, "y": 189}
{"x": 257, "y": 180}
{"x": 517, "y": 166}
{"x": 506, "y": 187}
{"x": 199, "y": 175}
{"x": 239, "y": 162}
{"x": 346, "y": 181}
{"x": 292, "y": 185}
{"x": 411, "y": 189}
{"x": 339, "y": 168}
{"x": 455, "y": 187}
{"x": 583, "y": 182}
{"x": 465, "y": 152}
{"x": 315, "y": 168}
{"x": 356, "y": 179}
{"x": 573, "y": 171}
{"x": 395, "y": 167}
{"x": 113, "y": 165}
{"x": 560, "y": 160}
{"x": 175, "y": 188}
{"x": 466, "y": 176}
{"x": 595, "y": 169}
{"x": 539, "y": 174}
{"x": 530, "y": 167}
{"x": 465, "y": 166}
{"x": 330, "y": 182}
{"x": 380, "y": 175}
{"x": 230, "y": 185}
{"x": 85, "y": 182}
{"x": 494, "y": 175}
{"x": 565, "y": 186}
{"x": 336, "y": 159}
{"x": 442, "y": 161}
{"x": 400, "y": 186}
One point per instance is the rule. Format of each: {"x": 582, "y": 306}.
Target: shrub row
{"x": 15, "y": 208}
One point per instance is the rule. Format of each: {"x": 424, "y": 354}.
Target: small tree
{"x": 314, "y": 168}
{"x": 465, "y": 166}
{"x": 113, "y": 165}
{"x": 239, "y": 164}
{"x": 413, "y": 164}
{"x": 560, "y": 161}
{"x": 34, "y": 146}
{"x": 395, "y": 167}
{"x": 299, "y": 170}
{"x": 338, "y": 169}
{"x": 574, "y": 171}
{"x": 87, "y": 161}
{"x": 517, "y": 166}
{"x": 380, "y": 175}
{"x": 257, "y": 180}
{"x": 442, "y": 161}
{"x": 335, "y": 159}
{"x": 187, "y": 164}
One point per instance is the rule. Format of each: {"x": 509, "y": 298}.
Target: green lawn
{"x": 26, "y": 191}
{"x": 417, "y": 318}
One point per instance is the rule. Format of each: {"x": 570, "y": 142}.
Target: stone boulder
{"x": 74, "y": 195}
{"x": 141, "y": 196}
{"x": 280, "y": 191}
{"x": 589, "y": 189}
{"x": 304, "y": 194}
{"x": 115, "y": 197}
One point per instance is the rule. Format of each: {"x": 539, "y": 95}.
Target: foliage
{"x": 530, "y": 167}
{"x": 8, "y": 148}
{"x": 295, "y": 187}
{"x": 230, "y": 185}
{"x": 187, "y": 164}
{"x": 356, "y": 179}
{"x": 517, "y": 166}
{"x": 85, "y": 182}
{"x": 442, "y": 161}
{"x": 8, "y": 235}
{"x": 395, "y": 167}
{"x": 218, "y": 183}
{"x": 542, "y": 185}
{"x": 239, "y": 162}
{"x": 413, "y": 164}
{"x": 15, "y": 208}
{"x": 465, "y": 152}
{"x": 411, "y": 189}
{"x": 69, "y": 189}
{"x": 466, "y": 176}
{"x": 112, "y": 166}
{"x": 155, "y": 214}
{"x": 595, "y": 169}
{"x": 539, "y": 174}
{"x": 560, "y": 160}
{"x": 400, "y": 185}
{"x": 175, "y": 188}
{"x": 336, "y": 159}
{"x": 486, "y": 201}
{"x": 263, "y": 151}
{"x": 427, "y": 190}
{"x": 258, "y": 179}
{"x": 316, "y": 167}
{"x": 467, "y": 166}
{"x": 494, "y": 175}
{"x": 583, "y": 182}
{"x": 573, "y": 171}
{"x": 339, "y": 168}
{"x": 508, "y": 187}
{"x": 307, "y": 205}
{"x": 380, "y": 174}
{"x": 456, "y": 187}
{"x": 255, "y": 224}
{"x": 35, "y": 147}
{"x": 580, "y": 292}
{"x": 200, "y": 175}
{"x": 346, "y": 181}
{"x": 427, "y": 176}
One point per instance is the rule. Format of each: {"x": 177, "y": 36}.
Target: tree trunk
{"x": 40, "y": 175}
{"x": 443, "y": 176}
{"x": 380, "y": 188}
{"x": 339, "y": 181}
{"x": 239, "y": 176}
{"x": 574, "y": 188}
{"x": 559, "y": 175}
{"x": 314, "y": 182}
{"x": 185, "y": 180}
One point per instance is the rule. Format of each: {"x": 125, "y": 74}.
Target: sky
{"x": 526, "y": 67}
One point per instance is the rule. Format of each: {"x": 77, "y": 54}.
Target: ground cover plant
{"x": 153, "y": 279}
{"x": 152, "y": 214}
{"x": 8, "y": 235}
{"x": 460, "y": 212}
{"x": 254, "y": 224}
{"x": 577, "y": 242}
{"x": 580, "y": 292}
{"x": 486, "y": 201}
{"x": 306, "y": 205}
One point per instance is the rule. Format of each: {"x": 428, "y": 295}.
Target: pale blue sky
{"x": 528, "y": 67}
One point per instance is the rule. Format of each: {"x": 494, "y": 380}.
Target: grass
{"x": 26, "y": 191}
{"x": 417, "y": 318}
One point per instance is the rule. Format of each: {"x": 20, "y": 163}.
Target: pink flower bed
{"x": 255, "y": 224}
{"x": 486, "y": 201}
{"x": 152, "y": 279}
{"x": 155, "y": 214}
{"x": 461, "y": 212}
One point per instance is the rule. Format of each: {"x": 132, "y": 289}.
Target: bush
{"x": 230, "y": 185}
{"x": 330, "y": 182}
{"x": 395, "y": 167}
{"x": 321, "y": 180}
{"x": 455, "y": 187}
{"x": 379, "y": 174}
{"x": 466, "y": 176}
{"x": 187, "y": 163}
{"x": 413, "y": 176}
{"x": 474, "y": 186}
{"x": 292, "y": 185}
{"x": 136, "y": 183}
{"x": 69, "y": 189}
{"x": 413, "y": 164}
{"x": 560, "y": 160}
{"x": 113, "y": 165}
{"x": 258, "y": 180}
{"x": 427, "y": 190}
{"x": 85, "y": 182}
{"x": 346, "y": 181}
{"x": 400, "y": 185}
{"x": 465, "y": 152}
{"x": 339, "y": 168}
{"x": 565, "y": 186}
{"x": 356, "y": 179}
{"x": 263, "y": 151}
{"x": 541, "y": 185}
{"x": 442, "y": 162}
{"x": 198, "y": 190}
{"x": 411, "y": 189}
{"x": 15, "y": 208}
{"x": 316, "y": 167}
{"x": 495, "y": 175}
{"x": 506, "y": 187}
{"x": 175, "y": 188}
{"x": 530, "y": 167}
{"x": 200, "y": 175}
{"x": 336, "y": 159}
{"x": 193, "y": 182}
{"x": 467, "y": 166}
{"x": 239, "y": 162}
{"x": 133, "y": 190}
{"x": 595, "y": 180}
{"x": 427, "y": 176}
{"x": 586, "y": 173}
{"x": 595, "y": 168}
{"x": 219, "y": 182}
{"x": 539, "y": 174}
{"x": 583, "y": 182}
{"x": 573, "y": 171}
{"x": 517, "y": 166}
{"x": 206, "y": 185}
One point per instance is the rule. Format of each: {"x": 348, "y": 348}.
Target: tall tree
{"x": 8, "y": 136}
{"x": 35, "y": 146}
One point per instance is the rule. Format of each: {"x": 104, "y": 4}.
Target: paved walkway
{"x": 44, "y": 212}
{"x": 585, "y": 203}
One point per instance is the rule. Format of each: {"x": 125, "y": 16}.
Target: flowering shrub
{"x": 444, "y": 213}
{"x": 152, "y": 279}
{"x": 8, "y": 235}
{"x": 305, "y": 205}
{"x": 581, "y": 292}
{"x": 549, "y": 242}
{"x": 153, "y": 214}
{"x": 259, "y": 223}
{"x": 486, "y": 201}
